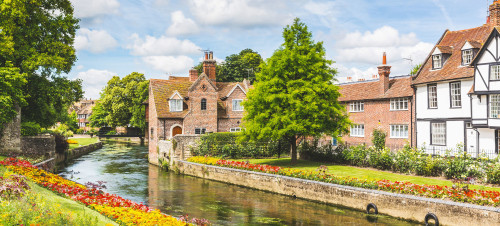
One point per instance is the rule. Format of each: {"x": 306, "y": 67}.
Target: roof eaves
{"x": 428, "y": 56}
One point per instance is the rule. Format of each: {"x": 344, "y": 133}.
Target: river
{"x": 125, "y": 169}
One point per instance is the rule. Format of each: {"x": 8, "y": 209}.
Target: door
{"x": 471, "y": 141}
{"x": 176, "y": 130}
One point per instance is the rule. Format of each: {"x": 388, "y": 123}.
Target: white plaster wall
{"x": 493, "y": 48}
{"x": 486, "y": 139}
{"x": 481, "y": 77}
{"x": 479, "y": 108}
{"x": 443, "y": 94}
{"x": 423, "y": 133}
{"x": 454, "y": 133}
{"x": 495, "y": 85}
{"x": 494, "y": 122}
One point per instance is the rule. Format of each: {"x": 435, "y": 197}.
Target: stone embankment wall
{"x": 178, "y": 148}
{"x": 77, "y": 152}
{"x": 36, "y": 146}
{"x": 10, "y": 136}
{"x": 397, "y": 205}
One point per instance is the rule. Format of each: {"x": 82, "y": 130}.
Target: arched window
{"x": 203, "y": 104}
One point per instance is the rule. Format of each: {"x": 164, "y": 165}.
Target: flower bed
{"x": 456, "y": 193}
{"x": 123, "y": 211}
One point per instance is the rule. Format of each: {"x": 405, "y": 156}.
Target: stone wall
{"x": 178, "y": 148}
{"x": 77, "y": 152}
{"x": 37, "y": 146}
{"x": 397, "y": 205}
{"x": 10, "y": 136}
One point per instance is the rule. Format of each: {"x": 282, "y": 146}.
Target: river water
{"x": 124, "y": 168}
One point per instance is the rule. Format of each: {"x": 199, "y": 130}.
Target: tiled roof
{"x": 162, "y": 90}
{"x": 226, "y": 87}
{"x": 475, "y": 44}
{"x": 452, "y": 68}
{"x": 398, "y": 87}
{"x": 445, "y": 49}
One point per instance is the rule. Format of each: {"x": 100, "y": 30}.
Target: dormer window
{"x": 437, "y": 61}
{"x": 467, "y": 56}
{"x": 175, "y": 105}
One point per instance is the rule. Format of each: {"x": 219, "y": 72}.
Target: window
{"x": 495, "y": 72}
{"x": 237, "y": 129}
{"x": 467, "y": 56}
{"x": 200, "y": 130}
{"x": 356, "y": 107}
{"x": 399, "y": 104}
{"x": 176, "y": 105}
{"x": 438, "y": 133}
{"x": 432, "y": 96}
{"x": 495, "y": 106}
{"x": 358, "y": 130}
{"x": 237, "y": 105}
{"x": 203, "y": 104}
{"x": 399, "y": 131}
{"x": 437, "y": 61}
{"x": 152, "y": 133}
{"x": 455, "y": 95}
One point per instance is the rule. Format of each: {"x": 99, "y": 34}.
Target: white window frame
{"x": 494, "y": 105}
{"x": 358, "y": 130}
{"x": 495, "y": 72}
{"x": 437, "y": 61}
{"x": 432, "y": 101}
{"x": 176, "y": 105}
{"x": 467, "y": 55}
{"x": 357, "y": 106}
{"x": 200, "y": 130}
{"x": 236, "y": 129}
{"x": 438, "y": 133}
{"x": 399, "y": 131}
{"x": 455, "y": 95}
{"x": 237, "y": 106}
{"x": 399, "y": 104}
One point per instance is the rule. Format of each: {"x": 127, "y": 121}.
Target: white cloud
{"x": 170, "y": 64}
{"x": 364, "y": 52}
{"x": 240, "y": 12}
{"x": 182, "y": 25}
{"x": 95, "y": 41}
{"x": 95, "y": 8}
{"x": 321, "y": 8}
{"x": 162, "y": 46}
{"x": 94, "y": 81}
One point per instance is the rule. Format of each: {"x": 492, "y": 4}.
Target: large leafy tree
{"x": 237, "y": 67}
{"x": 293, "y": 95}
{"x": 121, "y": 102}
{"x": 11, "y": 95}
{"x": 37, "y": 36}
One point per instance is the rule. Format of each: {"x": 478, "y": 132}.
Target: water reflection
{"x": 125, "y": 168}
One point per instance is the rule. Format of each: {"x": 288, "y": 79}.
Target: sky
{"x": 160, "y": 38}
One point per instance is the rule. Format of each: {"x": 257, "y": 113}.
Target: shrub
{"x": 356, "y": 155}
{"x": 326, "y": 153}
{"x": 381, "y": 158}
{"x": 429, "y": 166}
{"x": 378, "y": 139}
{"x": 405, "y": 160}
{"x": 493, "y": 173}
{"x": 111, "y": 132}
{"x": 80, "y": 131}
{"x": 30, "y": 129}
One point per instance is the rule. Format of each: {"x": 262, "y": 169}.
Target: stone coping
{"x": 406, "y": 196}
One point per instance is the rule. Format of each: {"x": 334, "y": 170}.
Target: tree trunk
{"x": 293, "y": 149}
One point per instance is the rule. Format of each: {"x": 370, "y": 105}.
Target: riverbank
{"x": 42, "y": 206}
{"x": 334, "y": 190}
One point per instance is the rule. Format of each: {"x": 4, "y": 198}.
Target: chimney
{"x": 361, "y": 80}
{"x": 384, "y": 71}
{"x": 193, "y": 75}
{"x": 349, "y": 79}
{"x": 209, "y": 65}
{"x": 494, "y": 17}
{"x": 374, "y": 77}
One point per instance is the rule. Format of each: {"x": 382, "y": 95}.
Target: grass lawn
{"x": 83, "y": 142}
{"x": 66, "y": 204}
{"x": 2, "y": 158}
{"x": 361, "y": 173}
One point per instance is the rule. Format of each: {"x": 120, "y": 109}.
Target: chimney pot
{"x": 206, "y": 55}
{"x": 384, "y": 59}
{"x": 384, "y": 71}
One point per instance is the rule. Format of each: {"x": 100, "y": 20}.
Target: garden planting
{"x": 459, "y": 193}
{"x": 123, "y": 211}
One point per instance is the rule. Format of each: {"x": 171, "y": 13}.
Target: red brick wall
{"x": 153, "y": 125}
{"x": 165, "y": 127}
{"x": 198, "y": 118}
{"x": 377, "y": 115}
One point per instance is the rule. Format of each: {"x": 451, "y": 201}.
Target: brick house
{"x": 193, "y": 105}
{"x": 83, "y": 109}
{"x": 385, "y": 103}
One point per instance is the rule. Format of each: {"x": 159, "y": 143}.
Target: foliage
{"x": 493, "y": 173}
{"x": 80, "y": 131}
{"x": 415, "y": 69}
{"x": 111, "y": 132}
{"x": 12, "y": 186}
{"x": 294, "y": 95}
{"x": 378, "y": 138}
{"x": 37, "y": 37}
{"x": 326, "y": 153}
{"x": 63, "y": 129}
{"x": 123, "y": 211}
{"x": 458, "y": 194}
{"x": 30, "y": 129}
{"x": 72, "y": 122}
{"x": 121, "y": 102}
{"x": 225, "y": 145}
{"x": 237, "y": 67}
{"x": 12, "y": 95}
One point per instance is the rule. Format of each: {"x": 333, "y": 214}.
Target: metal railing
{"x": 447, "y": 151}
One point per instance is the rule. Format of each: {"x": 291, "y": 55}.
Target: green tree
{"x": 415, "y": 69}
{"x": 72, "y": 122}
{"x": 293, "y": 95}
{"x": 121, "y": 102}
{"x": 12, "y": 96}
{"x": 237, "y": 67}
{"x": 37, "y": 36}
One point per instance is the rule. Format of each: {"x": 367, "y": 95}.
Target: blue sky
{"x": 164, "y": 37}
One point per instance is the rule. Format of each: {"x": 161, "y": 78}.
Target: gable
{"x": 237, "y": 86}
{"x": 203, "y": 83}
